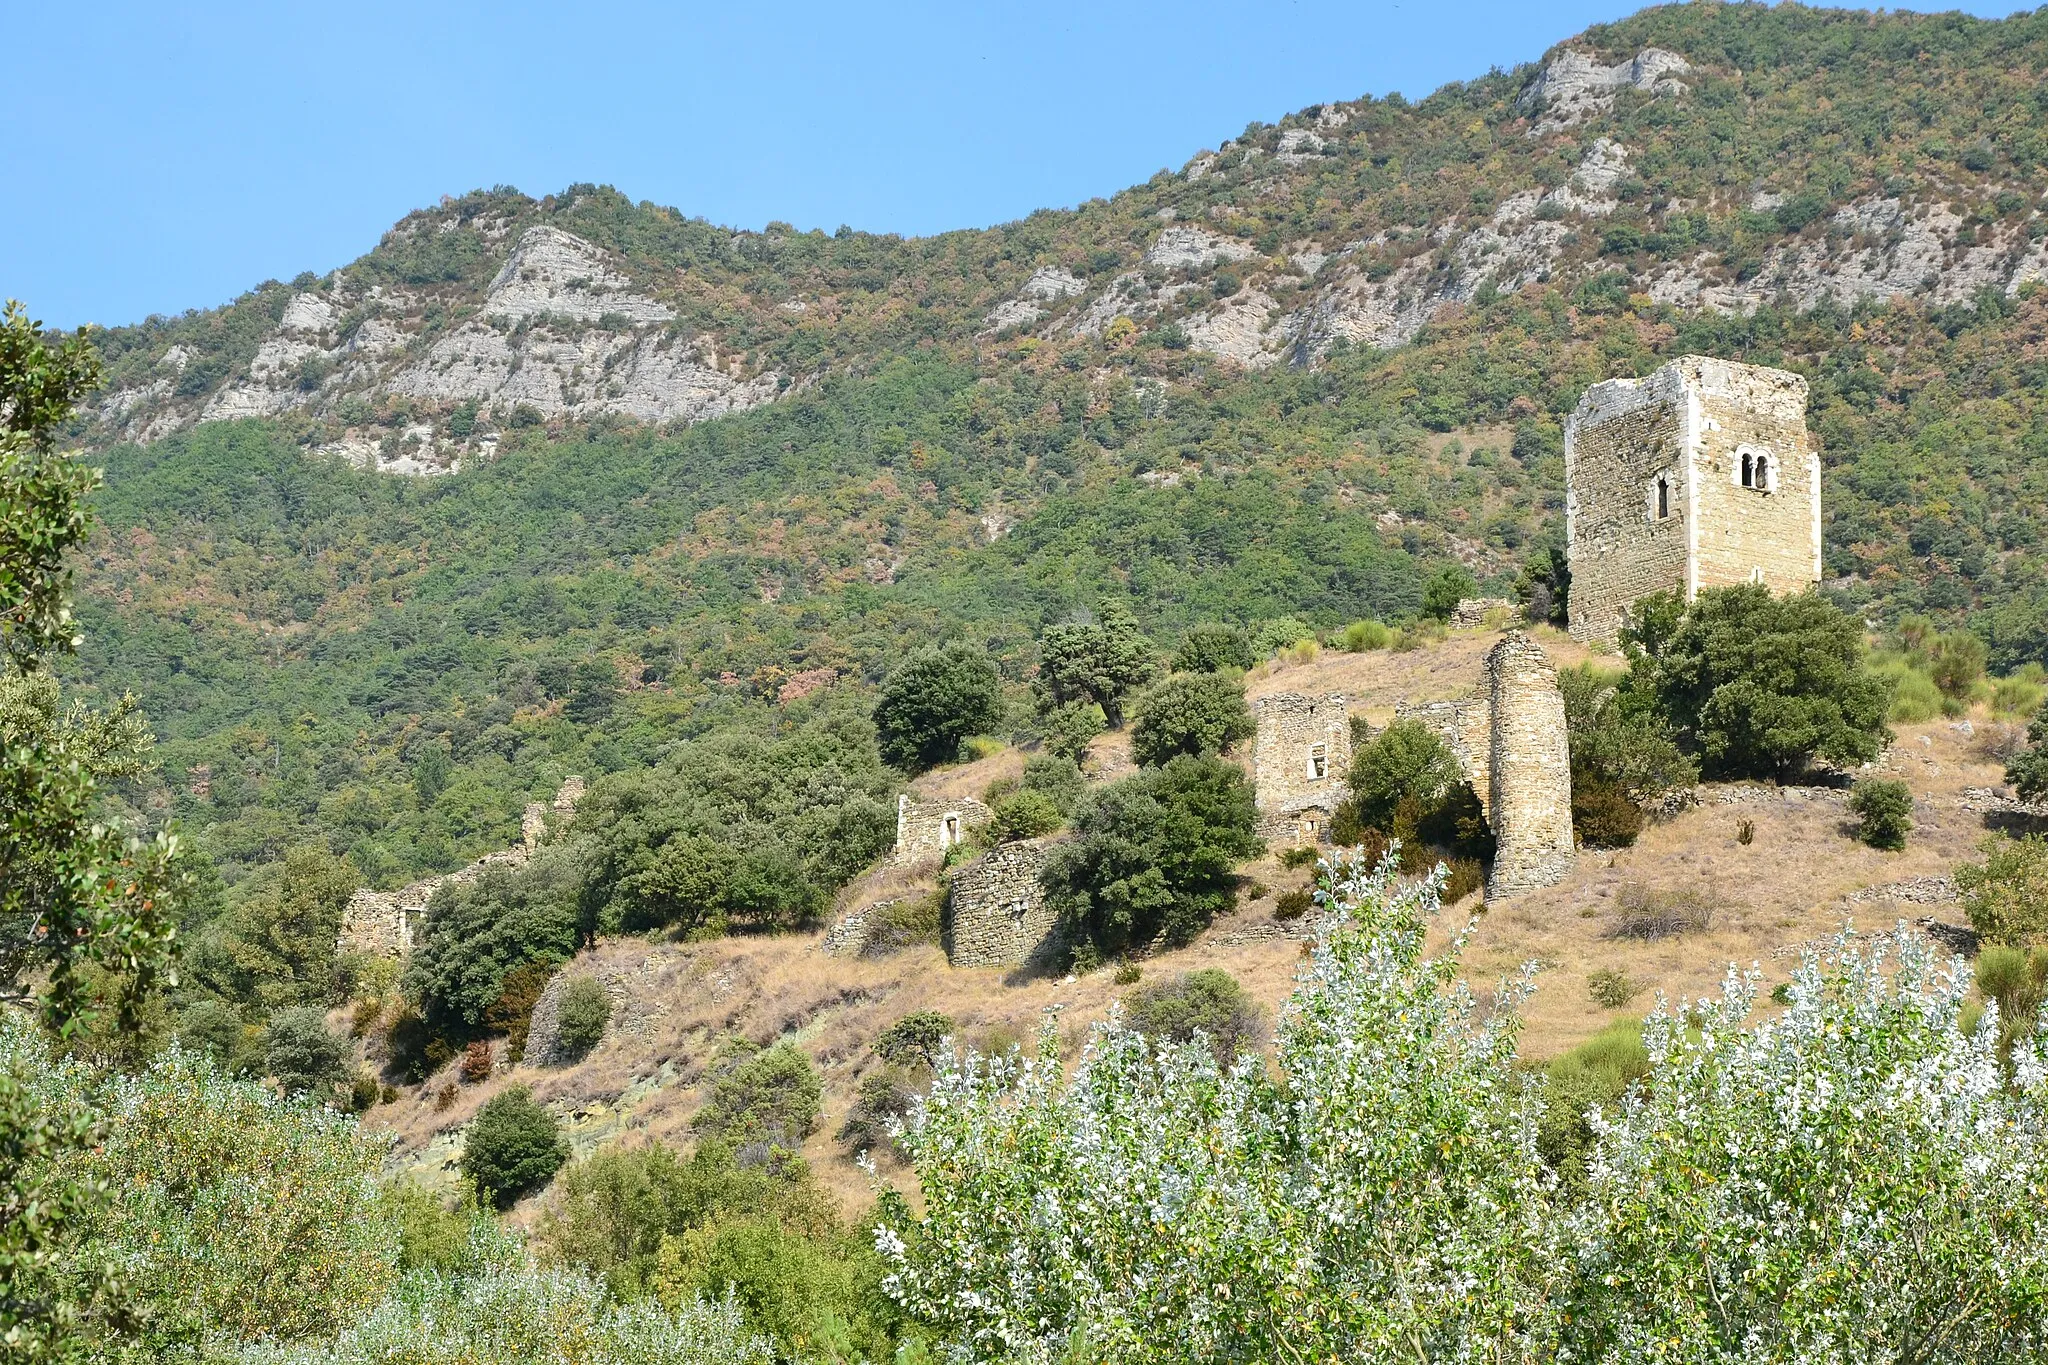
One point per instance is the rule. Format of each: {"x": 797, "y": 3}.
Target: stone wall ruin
{"x": 1301, "y": 758}
{"x": 996, "y": 910}
{"x": 928, "y": 828}
{"x": 381, "y": 923}
{"x": 1508, "y": 737}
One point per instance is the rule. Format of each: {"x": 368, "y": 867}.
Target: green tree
{"x": 1190, "y": 713}
{"x": 1884, "y": 811}
{"x": 1213, "y": 649}
{"x": 1023, "y": 815}
{"x": 2006, "y": 895}
{"x": 915, "y": 1039}
{"x": 1154, "y": 855}
{"x": 241, "y": 1216}
{"x": 1057, "y": 778}
{"x": 475, "y": 933}
{"x": 586, "y": 1011}
{"x": 2028, "y": 769}
{"x": 1101, "y": 661}
{"x": 1444, "y": 589}
{"x": 514, "y": 1146}
{"x": 1208, "y": 1002}
{"x": 78, "y": 891}
{"x": 1405, "y": 761}
{"x": 1764, "y": 684}
{"x": 304, "y": 1056}
{"x": 277, "y": 947}
{"x": 771, "y": 1097}
{"x": 933, "y": 702}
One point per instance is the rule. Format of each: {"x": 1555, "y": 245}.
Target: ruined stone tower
{"x": 1701, "y": 475}
{"x": 996, "y": 911}
{"x": 1528, "y": 777}
{"x": 1301, "y": 761}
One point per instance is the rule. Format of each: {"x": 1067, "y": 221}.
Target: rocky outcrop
{"x": 561, "y": 330}
{"x": 1574, "y": 85}
{"x": 1049, "y": 285}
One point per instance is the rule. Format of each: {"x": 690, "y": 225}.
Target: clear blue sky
{"x": 170, "y": 156}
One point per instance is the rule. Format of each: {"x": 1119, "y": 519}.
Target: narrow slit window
{"x": 1663, "y": 497}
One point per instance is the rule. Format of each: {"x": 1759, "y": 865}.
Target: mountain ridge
{"x": 499, "y": 301}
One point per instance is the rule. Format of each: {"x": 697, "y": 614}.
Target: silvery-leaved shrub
{"x": 1858, "y": 1179}
{"x": 1378, "y": 1197}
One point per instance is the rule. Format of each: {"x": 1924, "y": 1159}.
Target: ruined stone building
{"x": 926, "y": 830}
{"x": 1301, "y": 757}
{"x": 1701, "y": 475}
{"x": 382, "y": 923}
{"x": 996, "y": 910}
{"x": 1508, "y": 736}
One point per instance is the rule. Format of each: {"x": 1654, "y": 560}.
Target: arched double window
{"x": 1754, "y": 470}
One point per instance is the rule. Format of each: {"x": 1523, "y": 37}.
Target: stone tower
{"x": 1528, "y": 778}
{"x": 1701, "y": 475}
{"x": 1301, "y": 762}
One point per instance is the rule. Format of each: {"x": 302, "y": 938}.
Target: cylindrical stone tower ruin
{"x": 1529, "y": 770}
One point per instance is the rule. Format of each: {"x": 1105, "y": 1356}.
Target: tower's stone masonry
{"x": 927, "y": 829}
{"x": 1529, "y": 779}
{"x": 1301, "y": 758}
{"x": 1700, "y": 475}
{"x": 996, "y": 912}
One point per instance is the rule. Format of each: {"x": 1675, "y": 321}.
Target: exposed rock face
{"x": 561, "y": 330}
{"x": 1575, "y": 85}
{"x": 1048, "y": 285}
{"x": 1191, "y": 248}
{"x": 559, "y": 274}
{"x": 996, "y": 912}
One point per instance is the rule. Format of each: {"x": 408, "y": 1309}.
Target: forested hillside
{"x": 540, "y": 487}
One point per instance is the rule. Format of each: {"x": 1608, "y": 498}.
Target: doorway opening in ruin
{"x": 949, "y": 832}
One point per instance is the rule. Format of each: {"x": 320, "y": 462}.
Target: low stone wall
{"x": 996, "y": 911}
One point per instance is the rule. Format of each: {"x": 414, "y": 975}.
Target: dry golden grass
{"x": 690, "y": 1002}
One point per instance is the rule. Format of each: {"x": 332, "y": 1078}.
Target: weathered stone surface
{"x": 1575, "y": 84}
{"x": 1049, "y": 284}
{"x": 561, "y": 274}
{"x": 1471, "y": 612}
{"x": 1655, "y": 492}
{"x": 996, "y": 911}
{"x": 1190, "y": 248}
{"x": 926, "y": 829}
{"x": 1301, "y": 761}
{"x": 1528, "y": 771}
